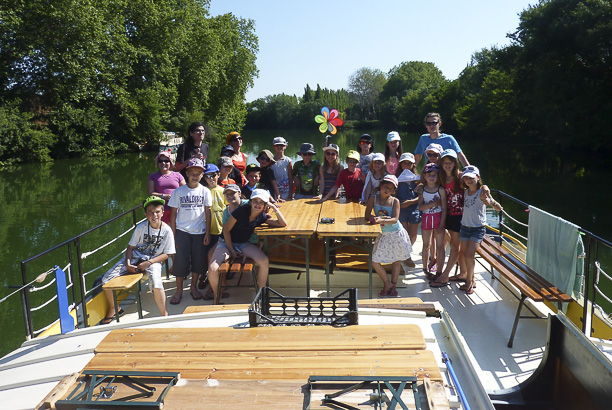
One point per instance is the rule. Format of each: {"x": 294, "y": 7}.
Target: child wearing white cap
{"x": 376, "y": 174}
{"x": 393, "y": 151}
{"x": 393, "y": 245}
{"x": 237, "y": 231}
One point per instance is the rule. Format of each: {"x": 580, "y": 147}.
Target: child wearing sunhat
{"x": 306, "y": 173}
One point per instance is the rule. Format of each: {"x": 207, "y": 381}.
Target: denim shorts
{"x": 411, "y": 215}
{"x": 475, "y": 234}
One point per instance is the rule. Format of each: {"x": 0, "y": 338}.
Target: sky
{"x": 325, "y": 42}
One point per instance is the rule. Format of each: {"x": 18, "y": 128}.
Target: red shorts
{"x": 431, "y": 221}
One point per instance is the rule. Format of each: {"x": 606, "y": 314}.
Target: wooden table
{"x": 349, "y": 223}
{"x": 302, "y": 216}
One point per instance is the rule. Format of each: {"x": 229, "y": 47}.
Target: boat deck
{"x": 483, "y": 320}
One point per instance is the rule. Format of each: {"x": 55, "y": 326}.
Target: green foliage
{"x": 21, "y": 139}
{"x": 366, "y": 84}
{"x": 102, "y": 73}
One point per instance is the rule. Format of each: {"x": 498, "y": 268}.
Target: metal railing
{"x": 595, "y": 292}
{"x": 78, "y": 293}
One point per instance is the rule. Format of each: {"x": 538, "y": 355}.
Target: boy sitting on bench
{"x": 151, "y": 244}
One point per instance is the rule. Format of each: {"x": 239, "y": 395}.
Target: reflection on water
{"x": 45, "y": 204}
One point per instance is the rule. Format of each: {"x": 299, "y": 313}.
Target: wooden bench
{"x": 123, "y": 284}
{"x": 529, "y": 283}
{"x": 232, "y": 268}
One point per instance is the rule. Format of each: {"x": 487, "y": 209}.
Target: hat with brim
{"x": 261, "y": 194}
{"x": 407, "y": 156}
{"x": 232, "y": 187}
{"x": 393, "y": 136}
{"x": 165, "y": 155}
{"x": 390, "y": 178}
{"x": 195, "y": 163}
{"x": 225, "y": 162}
{"x": 431, "y": 167}
{"x": 437, "y": 148}
{"x": 306, "y": 148}
{"x": 153, "y": 199}
{"x": 251, "y": 168}
{"x": 210, "y": 169}
{"x": 471, "y": 172}
{"x": 267, "y": 154}
{"x": 352, "y": 154}
{"x": 279, "y": 141}
{"x": 449, "y": 153}
{"x": 378, "y": 157}
{"x": 332, "y": 147}
{"x": 228, "y": 148}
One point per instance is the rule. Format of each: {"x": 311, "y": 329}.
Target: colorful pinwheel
{"x": 329, "y": 120}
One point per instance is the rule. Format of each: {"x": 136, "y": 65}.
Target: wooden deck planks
{"x": 275, "y": 365}
{"x": 349, "y": 220}
{"x": 263, "y": 339}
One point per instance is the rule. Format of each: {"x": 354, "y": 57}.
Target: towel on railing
{"x": 552, "y": 249}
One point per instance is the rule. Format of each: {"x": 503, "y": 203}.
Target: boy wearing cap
{"x": 227, "y": 151}
{"x": 306, "y": 173}
{"x": 226, "y": 167}
{"x": 350, "y": 178}
{"x": 282, "y": 169}
{"x": 190, "y": 221}
{"x": 151, "y": 243}
{"x": 268, "y": 179}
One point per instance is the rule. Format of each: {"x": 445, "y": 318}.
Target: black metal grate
{"x": 270, "y": 308}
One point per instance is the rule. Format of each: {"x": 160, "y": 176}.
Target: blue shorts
{"x": 475, "y": 234}
{"x": 411, "y": 215}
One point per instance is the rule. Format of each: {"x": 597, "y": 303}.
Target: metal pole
{"x": 449, "y": 365}
{"x": 72, "y": 279}
{"x": 586, "y": 322}
{"x": 82, "y": 283}
{"x": 25, "y": 303}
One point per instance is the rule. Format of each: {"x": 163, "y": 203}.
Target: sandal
{"x": 176, "y": 299}
{"x": 466, "y": 287}
{"x": 383, "y": 293}
{"x": 109, "y": 319}
{"x": 210, "y": 295}
{"x": 430, "y": 276}
{"x": 436, "y": 284}
{"x": 457, "y": 278}
{"x": 195, "y": 295}
{"x": 202, "y": 283}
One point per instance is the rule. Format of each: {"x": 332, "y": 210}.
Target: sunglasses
{"x": 431, "y": 123}
{"x": 236, "y": 139}
{"x": 430, "y": 154}
{"x": 307, "y": 155}
{"x": 210, "y": 176}
{"x": 200, "y": 131}
{"x": 331, "y": 153}
{"x": 352, "y": 161}
{"x": 263, "y": 159}
{"x": 164, "y": 161}
{"x": 364, "y": 143}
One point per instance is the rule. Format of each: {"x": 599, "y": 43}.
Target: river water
{"x": 46, "y": 204}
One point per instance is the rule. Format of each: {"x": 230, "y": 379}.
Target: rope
{"x": 514, "y": 232}
{"x": 36, "y": 289}
{"x": 34, "y": 309}
{"x": 599, "y": 270}
{"x": 513, "y": 219}
{"x": 86, "y": 254}
{"x": 105, "y": 263}
{"x": 38, "y": 279}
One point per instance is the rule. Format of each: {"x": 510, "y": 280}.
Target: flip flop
{"x": 195, "y": 295}
{"x": 107, "y": 320}
{"x": 202, "y": 283}
{"x": 210, "y": 295}
{"x": 456, "y": 278}
{"x": 465, "y": 287}
{"x": 383, "y": 293}
{"x": 176, "y": 299}
{"x": 393, "y": 293}
{"x": 439, "y": 284}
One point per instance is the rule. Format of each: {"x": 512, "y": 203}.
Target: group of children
{"x": 213, "y": 219}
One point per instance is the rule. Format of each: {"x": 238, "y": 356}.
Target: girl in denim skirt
{"x": 473, "y": 222}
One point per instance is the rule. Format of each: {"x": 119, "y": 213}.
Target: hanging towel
{"x": 552, "y": 248}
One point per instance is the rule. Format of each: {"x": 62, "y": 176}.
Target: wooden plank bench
{"x": 123, "y": 284}
{"x": 529, "y": 283}
{"x": 232, "y": 268}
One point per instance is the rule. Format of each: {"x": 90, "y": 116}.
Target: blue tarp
{"x": 552, "y": 249}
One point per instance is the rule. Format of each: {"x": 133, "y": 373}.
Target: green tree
{"x": 366, "y": 84}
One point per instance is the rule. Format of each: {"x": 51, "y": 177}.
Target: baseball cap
{"x": 261, "y": 194}
{"x": 279, "y": 141}
{"x": 449, "y": 153}
{"x": 407, "y": 156}
{"x": 393, "y": 136}
{"x": 391, "y": 178}
{"x": 352, "y": 154}
{"x": 470, "y": 171}
{"x": 210, "y": 168}
{"x": 195, "y": 162}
